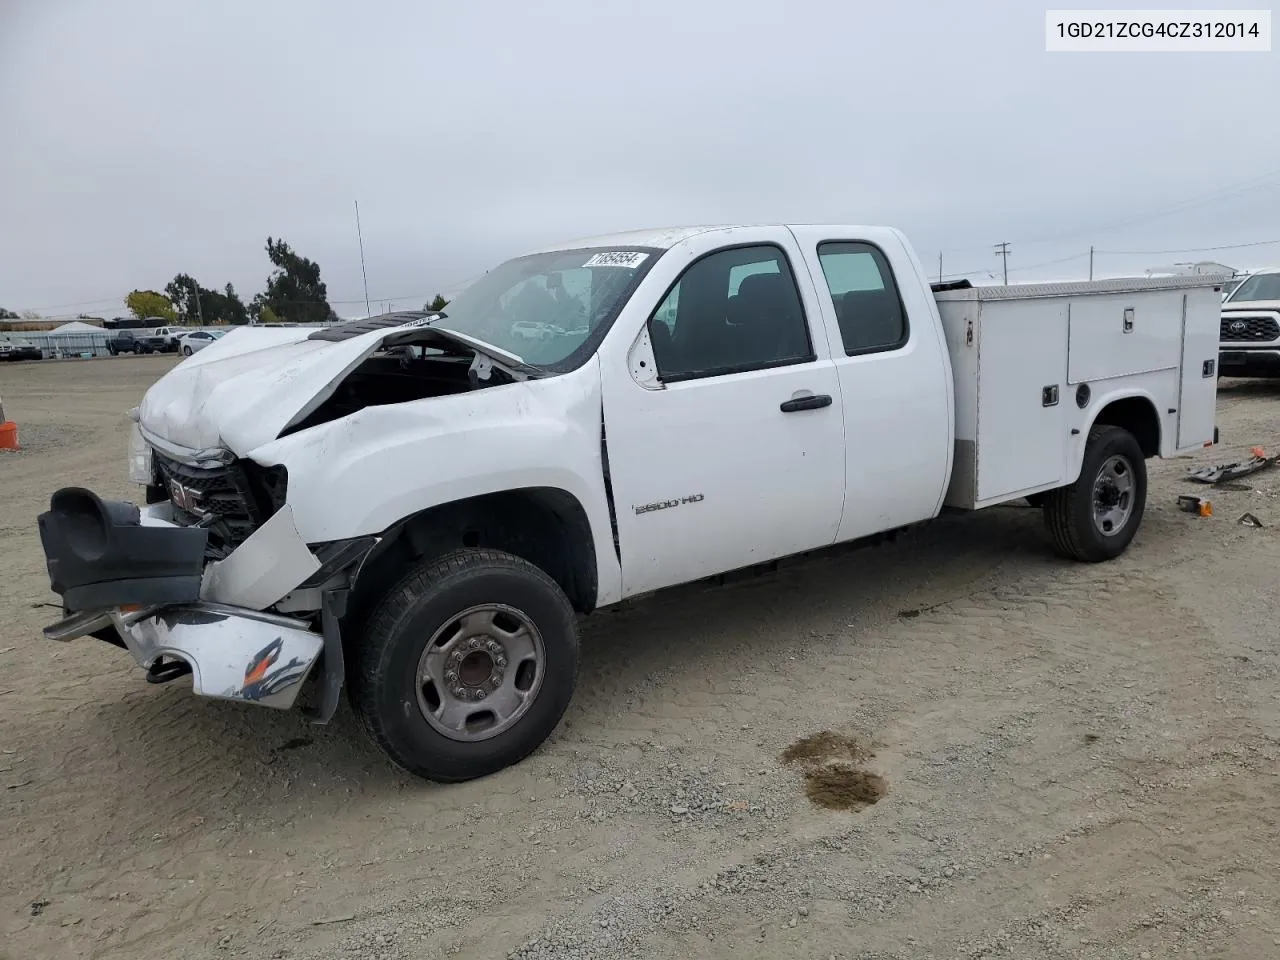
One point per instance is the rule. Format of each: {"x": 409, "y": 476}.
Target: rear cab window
{"x": 868, "y": 305}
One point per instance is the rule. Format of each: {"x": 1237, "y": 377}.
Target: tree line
{"x": 294, "y": 294}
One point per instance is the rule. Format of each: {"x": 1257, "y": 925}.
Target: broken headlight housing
{"x": 141, "y": 465}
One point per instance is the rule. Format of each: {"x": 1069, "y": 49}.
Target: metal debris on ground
{"x": 1249, "y": 520}
{"x": 1197, "y": 505}
{"x": 1230, "y": 471}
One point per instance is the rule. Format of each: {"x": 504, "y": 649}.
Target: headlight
{"x": 140, "y": 466}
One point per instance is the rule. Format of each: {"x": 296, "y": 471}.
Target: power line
{"x": 1224, "y": 246}
{"x": 1002, "y": 251}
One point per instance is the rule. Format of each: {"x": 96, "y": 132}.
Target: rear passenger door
{"x": 890, "y": 358}
{"x": 733, "y": 453}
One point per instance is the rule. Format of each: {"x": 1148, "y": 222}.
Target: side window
{"x": 731, "y": 311}
{"x": 868, "y": 305}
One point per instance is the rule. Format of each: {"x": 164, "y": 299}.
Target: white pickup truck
{"x": 420, "y": 506}
{"x": 1250, "y": 342}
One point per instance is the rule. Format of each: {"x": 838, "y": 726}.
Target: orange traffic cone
{"x": 8, "y": 432}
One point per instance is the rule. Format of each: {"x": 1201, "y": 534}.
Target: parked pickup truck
{"x": 162, "y": 339}
{"x": 419, "y": 506}
{"x": 1250, "y": 337}
{"x": 127, "y": 341}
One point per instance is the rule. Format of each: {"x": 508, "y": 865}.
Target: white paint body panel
{"x": 760, "y": 484}
{"x": 898, "y": 408}
{"x": 771, "y": 483}
{"x": 1008, "y": 343}
{"x": 361, "y": 474}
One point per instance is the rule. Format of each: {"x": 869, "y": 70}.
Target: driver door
{"x": 733, "y": 454}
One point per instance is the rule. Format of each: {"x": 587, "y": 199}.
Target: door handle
{"x": 813, "y": 402}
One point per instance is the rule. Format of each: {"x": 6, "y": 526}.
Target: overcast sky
{"x": 147, "y": 137}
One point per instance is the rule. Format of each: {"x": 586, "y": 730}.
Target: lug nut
{"x": 459, "y": 693}
{"x": 480, "y": 694}
{"x": 501, "y": 661}
{"x": 450, "y": 676}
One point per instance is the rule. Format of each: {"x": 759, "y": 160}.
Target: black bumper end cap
{"x": 99, "y": 554}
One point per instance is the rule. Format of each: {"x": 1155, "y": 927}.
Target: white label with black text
{"x": 618, "y": 258}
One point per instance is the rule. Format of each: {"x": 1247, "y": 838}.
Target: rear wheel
{"x": 186, "y": 351}
{"x": 467, "y": 665}
{"x": 1096, "y": 517}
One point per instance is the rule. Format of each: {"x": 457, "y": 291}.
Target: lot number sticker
{"x": 617, "y": 258}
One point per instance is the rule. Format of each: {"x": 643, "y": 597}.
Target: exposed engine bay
{"x": 414, "y": 366}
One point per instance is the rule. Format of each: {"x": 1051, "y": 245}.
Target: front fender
{"x": 359, "y": 475}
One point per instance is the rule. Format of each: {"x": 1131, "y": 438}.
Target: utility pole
{"x": 1090, "y": 262}
{"x": 199, "y": 308}
{"x": 939, "y": 266}
{"x": 360, "y": 237}
{"x": 1002, "y": 251}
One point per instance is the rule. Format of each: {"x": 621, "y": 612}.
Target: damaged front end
{"x": 213, "y": 577}
{"x": 183, "y": 602}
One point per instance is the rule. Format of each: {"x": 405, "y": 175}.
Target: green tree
{"x": 183, "y": 292}
{"x": 197, "y": 304}
{"x": 295, "y": 292}
{"x": 8, "y": 314}
{"x": 150, "y": 303}
{"x": 436, "y": 305}
{"x": 234, "y": 309}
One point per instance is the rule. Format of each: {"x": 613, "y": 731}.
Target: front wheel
{"x": 1096, "y": 517}
{"x": 467, "y": 665}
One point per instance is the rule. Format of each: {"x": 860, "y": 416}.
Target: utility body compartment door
{"x": 1198, "y": 387}
{"x": 731, "y": 452}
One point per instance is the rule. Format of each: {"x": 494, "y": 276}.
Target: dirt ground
{"x": 1036, "y": 759}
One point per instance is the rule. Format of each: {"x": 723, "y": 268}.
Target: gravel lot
{"x": 1069, "y": 761}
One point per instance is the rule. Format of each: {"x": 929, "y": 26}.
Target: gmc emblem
{"x": 185, "y": 498}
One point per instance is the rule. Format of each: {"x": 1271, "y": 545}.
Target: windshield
{"x": 1261, "y": 286}
{"x": 544, "y": 307}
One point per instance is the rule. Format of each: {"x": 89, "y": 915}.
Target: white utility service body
{"x": 694, "y": 401}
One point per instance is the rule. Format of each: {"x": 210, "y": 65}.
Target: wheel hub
{"x": 475, "y": 668}
{"x": 1113, "y": 496}
{"x": 479, "y": 672}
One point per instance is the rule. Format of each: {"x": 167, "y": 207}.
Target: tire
{"x": 1076, "y": 524}
{"x": 422, "y": 611}
{"x": 186, "y": 351}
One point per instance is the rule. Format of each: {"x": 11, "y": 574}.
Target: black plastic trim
{"x": 99, "y": 554}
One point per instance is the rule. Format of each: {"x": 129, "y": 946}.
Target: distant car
{"x": 127, "y": 341}
{"x": 197, "y": 340}
{"x": 20, "y": 350}
{"x": 163, "y": 339}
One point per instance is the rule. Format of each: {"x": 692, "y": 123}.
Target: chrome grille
{"x": 230, "y": 501}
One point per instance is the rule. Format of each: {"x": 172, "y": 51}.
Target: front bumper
{"x": 1246, "y": 362}
{"x": 134, "y": 574}
{"x": 233, "y": 653}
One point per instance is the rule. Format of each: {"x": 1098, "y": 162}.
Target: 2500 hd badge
{"x": 668, "y": 504}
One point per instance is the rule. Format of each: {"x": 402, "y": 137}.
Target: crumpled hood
{"x": 242, "y": 390}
